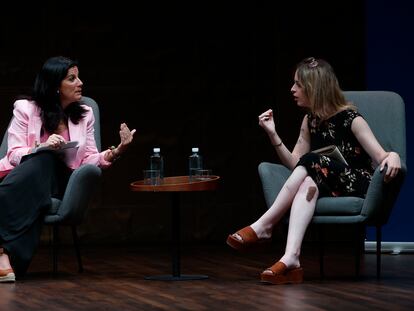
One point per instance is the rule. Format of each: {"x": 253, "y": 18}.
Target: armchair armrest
{"x": 81, "y": 186}
{"x": 273, "y": 177}
{"x": 381, "y": 196}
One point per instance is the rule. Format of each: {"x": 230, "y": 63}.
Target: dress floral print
{"x": 333, "y": 177}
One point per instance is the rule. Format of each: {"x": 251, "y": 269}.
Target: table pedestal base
{"x": 175, "y": 185}
{"x": 176, "y": 269}
{"x": 183, "y": 277}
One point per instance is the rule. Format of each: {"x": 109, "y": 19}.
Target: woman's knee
{"x": 36, "y": 166}
{"x": 295, "y": 179}
{"x": 300, "y": 170}
{"x": 45, "y": 156}
{"x": 42, "y": 159}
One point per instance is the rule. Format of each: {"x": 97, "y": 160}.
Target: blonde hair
{"x": 321, "y": 87}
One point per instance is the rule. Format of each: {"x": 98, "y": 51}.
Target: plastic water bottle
{"x": 195, "y": 162}
{"x": 157, "y": 162}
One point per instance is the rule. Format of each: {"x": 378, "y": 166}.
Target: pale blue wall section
{"x": 390, "y": 66}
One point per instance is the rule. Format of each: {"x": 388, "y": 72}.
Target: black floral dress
{"x": 334, "y": 178}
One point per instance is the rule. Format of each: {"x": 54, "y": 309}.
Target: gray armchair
{"x": 385, "y": 113}
{"x": 81, "y": 185}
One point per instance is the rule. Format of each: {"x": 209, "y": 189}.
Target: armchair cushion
{"x": 341, "y": 206}
{"x": 273, "y": 177}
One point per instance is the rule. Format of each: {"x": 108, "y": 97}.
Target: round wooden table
{"x": 175, "y": 185}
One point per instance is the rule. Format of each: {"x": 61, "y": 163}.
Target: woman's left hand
{"x": 126, "y": 137}
{"x": 393, "y": 166}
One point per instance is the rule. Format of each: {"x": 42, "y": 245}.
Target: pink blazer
{"x": 24, "y": 132}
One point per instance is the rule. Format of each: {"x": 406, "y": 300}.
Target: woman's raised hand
{"x": 266, "y": 121}
{"x": 126, "y": 137}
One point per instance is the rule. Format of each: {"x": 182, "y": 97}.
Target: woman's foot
{"x": 262, "y": 231}
{"x": 291, "y": 261}
{"x": 245, "y": 238}
{"x": 6, "y": 271}
{"x": 279, "y": 273}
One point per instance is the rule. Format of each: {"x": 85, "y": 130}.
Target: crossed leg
{"x": 264, "y": 225}
{"x": 300, "y": 193}
{"x": 287, "y": 269}
{"x": 303, "y": 208}
{"x": 283, "y": 202}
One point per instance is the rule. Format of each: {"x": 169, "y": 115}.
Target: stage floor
{"x": 114, "y": 280}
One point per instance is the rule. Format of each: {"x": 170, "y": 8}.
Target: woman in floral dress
{"x": 330, "y": 121}
{"x": 332, "y": 176}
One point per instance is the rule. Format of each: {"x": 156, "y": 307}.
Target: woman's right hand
{"x": 266, "y": 121}
{"x": 54, "y": 141}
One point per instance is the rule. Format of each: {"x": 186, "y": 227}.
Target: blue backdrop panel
{"x": 390, "y": 66}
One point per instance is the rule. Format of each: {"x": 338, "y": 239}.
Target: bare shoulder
{"x": 358, "y": 120}
{"x": 359, "y": 124}
{"x": 305, "y": 121}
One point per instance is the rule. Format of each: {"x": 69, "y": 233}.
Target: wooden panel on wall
{"x": 198, "y": 78}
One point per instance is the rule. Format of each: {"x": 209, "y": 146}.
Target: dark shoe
{"x": 248, "y": 238}
{"x": 280, "y": 274}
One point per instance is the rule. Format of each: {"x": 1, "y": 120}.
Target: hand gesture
{"x": 126, "y": 137}
{"x": 266, "y": 121}
{"x": 393, "y": 166}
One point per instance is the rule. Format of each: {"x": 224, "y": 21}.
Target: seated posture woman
{"x": 330, "y": 121}
{"x": 28, "y": 179}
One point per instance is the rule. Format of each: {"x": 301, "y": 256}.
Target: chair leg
{"x": 77, "y": 249}
{"x": 359, "y": 247}
{"x": 55, "y": 248}
{"x": 379, "y": 238}
{"x": 321, "y": 250}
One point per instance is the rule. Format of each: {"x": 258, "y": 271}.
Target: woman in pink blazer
{"x": 28, "y": 176}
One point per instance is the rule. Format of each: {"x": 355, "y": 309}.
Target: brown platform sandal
{"x": 282, "y": 275}
{"x": 6, "y": 275}
{"x": 248, "y": 238}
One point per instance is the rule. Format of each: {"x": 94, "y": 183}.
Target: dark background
{"x": 183, "y": 76}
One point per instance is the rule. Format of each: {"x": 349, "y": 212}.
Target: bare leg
{"x": 4, "y": 260}
{"x": 303, "y": 208}
{"x": 264, "y": 225}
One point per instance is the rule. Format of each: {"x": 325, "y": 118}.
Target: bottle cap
{"x": 157, "y": 149}
{"x": 194, "y": 149}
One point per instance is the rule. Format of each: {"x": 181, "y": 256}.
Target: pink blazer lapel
{"x": 76, "y": 132}
{"x": 34, "y": 128}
